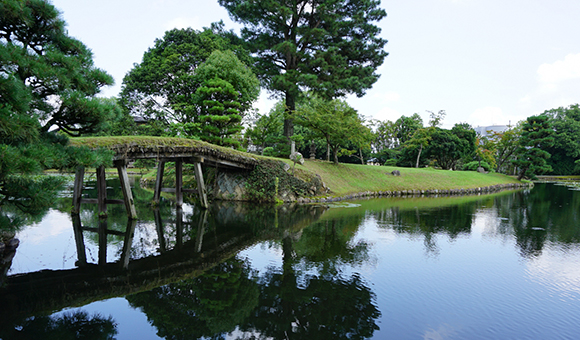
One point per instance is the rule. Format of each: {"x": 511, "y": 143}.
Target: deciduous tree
{"x": 163, "y": 86}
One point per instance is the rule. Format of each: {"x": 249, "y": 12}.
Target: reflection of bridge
{"x": 215, "y": 241}
{"x": 193, "y": 152}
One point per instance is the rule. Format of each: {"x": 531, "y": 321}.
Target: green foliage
{"x": 47, "y": 80}
{"x": 163, "y": 87}
{"x": 565, "y": 152}
{"x": 472, "y": 166}
{"x": 405, "y": 127}
{"x": 334, "y": 121}
{"x": 261, "y": 185}
{"x": 46, "y": 74}
{"x": 535, "y": 138}
{"x": 220, "y": 117}
{"x": 390, "y": 162}
{"x": 331, "y": 48}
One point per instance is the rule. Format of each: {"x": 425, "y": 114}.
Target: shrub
{"x": 472, "y": 166}
{"x": 391, "y": 162}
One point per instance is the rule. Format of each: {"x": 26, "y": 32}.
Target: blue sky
{"x": 482, "y": 61}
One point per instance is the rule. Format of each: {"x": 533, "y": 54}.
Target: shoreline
{"x": 418, "y": 193}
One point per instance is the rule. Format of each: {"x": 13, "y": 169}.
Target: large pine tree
{"x": 331, "y": 47}
{"x": 47, "y": 82}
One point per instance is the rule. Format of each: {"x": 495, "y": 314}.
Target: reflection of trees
{"x": 305, "y": 306}
{"x": 206, "y": 306}
{"x": 68, "y": 326}
{"x": 328, "y": 245}
{"x": 450, "y": 220}
{"x": 545, "y": 213}
{"x": 282, "y": 302}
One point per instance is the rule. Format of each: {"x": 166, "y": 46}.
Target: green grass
{"x": 343, "y": 179}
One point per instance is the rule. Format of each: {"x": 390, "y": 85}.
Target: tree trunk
{"x": 335, "y": 154}
{"x": 289, "y": 120}
{"x": 419, "y": 156}
{"x": 362, "y": 160}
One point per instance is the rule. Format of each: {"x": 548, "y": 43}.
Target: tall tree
{"x": 565, "y": 153}
{"x": 162, "y": 87}
{"x": 329, "y": 47}
{"x": 405, "y": 127}
{"x": 536, "y": 137}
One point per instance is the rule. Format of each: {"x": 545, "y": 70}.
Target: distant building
{"x": 488, "y": 130}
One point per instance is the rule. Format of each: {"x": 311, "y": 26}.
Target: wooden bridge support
{"x": 102, "y": 200}
{"x": 178, "y": 190}
{"x": 127, "y": 194}
{"x": 103, "y": 232}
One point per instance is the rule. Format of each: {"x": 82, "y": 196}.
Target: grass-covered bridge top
{"x": 139, "y": 147}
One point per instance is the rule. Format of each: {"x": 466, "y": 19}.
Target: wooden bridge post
{"x": 200, "y": 230}
{"x": 102, "y": 231}
{"x": 178, "y": 228}
{"x": 127, "y": 194}
{"x": 78, "y": 189}
{"x": 79, "y": 240}
{"x": 159, "y": 228}
{"x": 179, "y": 182}
{"x": 158, "y": 182}
{"x": 200, "y": 185}
{"x": 102, "y": 191}
{"x": 127, "y": 243}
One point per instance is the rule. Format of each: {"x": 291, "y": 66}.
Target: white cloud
{"x": 386, "y": 113}
{"x": 389, "y": 96}
{"x": 553, "y": 74}
{"x": 490, "y": 115}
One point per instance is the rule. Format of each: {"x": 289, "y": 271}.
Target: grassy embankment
{"x": 342, "y": 179}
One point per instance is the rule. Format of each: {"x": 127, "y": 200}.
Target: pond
{"x": 502, "y": 266}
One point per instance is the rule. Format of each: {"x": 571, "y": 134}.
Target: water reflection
{"x": 183, "y": 270}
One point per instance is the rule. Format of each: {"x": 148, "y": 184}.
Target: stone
{"x": 296, "y": 157}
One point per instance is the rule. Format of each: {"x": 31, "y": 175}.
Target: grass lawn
{"x": 344, "y": 179}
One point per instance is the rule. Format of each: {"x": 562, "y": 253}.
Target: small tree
{"x": 334, "y": 120}
{"x": 220, "y": 116}
{"x": 536, "y": 135}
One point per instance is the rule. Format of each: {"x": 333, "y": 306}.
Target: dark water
{"x": 505, "y": 266}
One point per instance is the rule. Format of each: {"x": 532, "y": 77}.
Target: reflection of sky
{"x": 49, "y": 244}
{"x": 558, "y": 269}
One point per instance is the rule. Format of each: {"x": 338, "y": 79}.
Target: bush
{"x": 391, "y": 162}
{"x": 472, "y": 166}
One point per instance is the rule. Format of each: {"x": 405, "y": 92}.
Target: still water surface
{"x": 504, "y": 266}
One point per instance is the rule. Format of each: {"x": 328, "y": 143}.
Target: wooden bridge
{"x": 178, "y": 150}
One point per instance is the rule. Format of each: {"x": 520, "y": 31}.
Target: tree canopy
{"x": 47, "y": 82}
{"x": 565, "y": 152}
{"x": 46, "y": 74}
{"x": 164, "y": 85}
{"x": 536, "y": 136}
{"x": 334, "y": 121}
{"x": 331, "y": 48}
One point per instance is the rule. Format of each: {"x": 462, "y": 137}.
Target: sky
{"x": 485, "y": 62}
